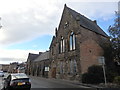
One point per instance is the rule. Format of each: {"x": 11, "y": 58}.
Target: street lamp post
{"x": 101, "y": 61}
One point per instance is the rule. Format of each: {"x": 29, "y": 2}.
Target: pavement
{"x": 77, "y": 83}
{"x": 89, "y": 86}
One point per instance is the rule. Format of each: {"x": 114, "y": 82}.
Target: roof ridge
{"x": 86, "y": 22}
{"x": 43, "y": 56}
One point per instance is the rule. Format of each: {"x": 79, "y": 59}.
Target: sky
{"x": 29, "y": 25}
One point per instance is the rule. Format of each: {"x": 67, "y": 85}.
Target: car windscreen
{"x": 18, "y": 76}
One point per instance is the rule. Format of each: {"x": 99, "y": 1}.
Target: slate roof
{"x": 43, "y": 56}
{"x": 53, "y": 38}
{"x": 86, "y": 23}
{"x": 32, "y": 56}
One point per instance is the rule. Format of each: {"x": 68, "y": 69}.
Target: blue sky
{"x": 43, "y": 42}
{"x": 40, "y": 43}
{"x": 29, "y": 25}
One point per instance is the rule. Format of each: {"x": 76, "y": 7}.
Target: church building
{"x": 78, "y": 43}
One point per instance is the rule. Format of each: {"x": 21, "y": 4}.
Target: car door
{"x": 7, "y": 82}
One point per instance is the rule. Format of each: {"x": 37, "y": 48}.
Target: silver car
{"x": 1, "y": 73}
{"x": 16, "y": 81}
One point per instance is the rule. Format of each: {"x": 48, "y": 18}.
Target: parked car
{"x": 16, "y": 81}
{"x": 1, "y": 73}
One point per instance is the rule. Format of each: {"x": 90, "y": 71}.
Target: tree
{"x": 114, "y": 32}
{"x": 94, "y": 75}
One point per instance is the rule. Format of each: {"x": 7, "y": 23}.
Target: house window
{"x": 61, "y": 67}
{"x": 72, "y": 41}
{"x": 62, "y": 45}
{"x": 66, "y": 24}
{"x": 59, "y": 47}
{"x": 73, "y": 66}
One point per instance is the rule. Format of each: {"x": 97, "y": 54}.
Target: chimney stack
{"x": 56, "y": 32}
{"x": 95, "y": 21}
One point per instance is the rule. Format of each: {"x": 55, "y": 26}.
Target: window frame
{"x": 62, "y": 45}
{"x": 72, "y": 41}
{"x": 73, "y": 66}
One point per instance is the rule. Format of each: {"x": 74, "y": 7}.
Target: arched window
{"x": 72, "y": 41}
{"x": 61, "y": 67}
{"x": 73, "y": 66}
{"x": 62, "y": 45}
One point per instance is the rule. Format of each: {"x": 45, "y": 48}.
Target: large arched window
{"x": 72, "y": 41}
{"x": 62, "y": 45}
{"x": 73, "y": 66}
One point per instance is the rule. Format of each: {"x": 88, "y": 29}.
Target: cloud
{"x": 98, "y": 10}
{"x": 24, "y": 20}
{"x": 27, "y": 22}
{"x": 16, "y": 55}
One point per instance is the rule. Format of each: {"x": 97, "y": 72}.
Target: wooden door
{"x": 54, "y": 72}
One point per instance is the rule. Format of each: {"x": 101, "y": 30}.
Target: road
{"x": 38, "y": 82}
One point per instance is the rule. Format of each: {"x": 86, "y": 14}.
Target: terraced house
{"x": 78, "y": 43}
{"x": 30, "y": 61}
{"x": 41, "y": 65}
{"x": 38, "y": 64}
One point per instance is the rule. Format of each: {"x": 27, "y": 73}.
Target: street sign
{"x": 101, "y": 60}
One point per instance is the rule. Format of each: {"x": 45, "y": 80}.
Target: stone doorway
{"x": 54, "y": 72}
